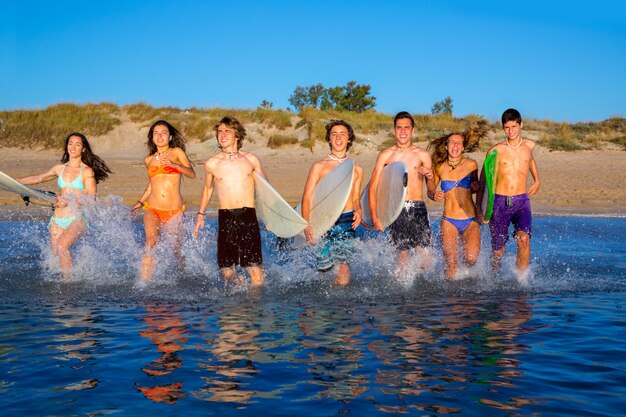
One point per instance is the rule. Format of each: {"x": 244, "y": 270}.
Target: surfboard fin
{"x": 26, "y": 199}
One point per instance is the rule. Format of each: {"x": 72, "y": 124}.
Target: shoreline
{"x": 22, "y": 213}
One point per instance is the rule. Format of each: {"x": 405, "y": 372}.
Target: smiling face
{"x": 455, "y": 146}
{"x": 161, "y": 136}
{"x": 226, "y": 138}
{"x": 513, "y": 130}
{"x": 339, "y": 137}
{"x": 75, "y": 146}
{"x": 403, "y": 131}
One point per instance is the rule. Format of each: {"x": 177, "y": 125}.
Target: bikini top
{"x": 465, "y": 182}
{"x": 76, "y": 184}
{"x": 161, "y": 169}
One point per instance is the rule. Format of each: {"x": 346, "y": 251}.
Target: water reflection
{"x": 168, "y": 332}
{"x": 438, "y": 352}
{"x": 76, "y": 343}
{"x": 230, "y": 348}
{"x": 332, "y": 352}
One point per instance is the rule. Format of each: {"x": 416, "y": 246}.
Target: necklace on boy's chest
{"x": 232, "y": 155}
{"x": 519, "y": 143}
{"x": 337, "y": 158}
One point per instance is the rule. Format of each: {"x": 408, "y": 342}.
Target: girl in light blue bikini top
{"x": 76, "y": 184}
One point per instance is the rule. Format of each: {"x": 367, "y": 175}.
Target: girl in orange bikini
{"x": 77, "y": 175}
{"x": 162, "y": 202}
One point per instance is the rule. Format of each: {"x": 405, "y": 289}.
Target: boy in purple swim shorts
{"x": 506, "y": 210}
{"x": 512, "y": 202}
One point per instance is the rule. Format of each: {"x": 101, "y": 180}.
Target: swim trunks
{"x": 238, "y": 238}
{"x": 509, "y": 209}
{"x": 338, "y": 243}
{"x": 411, "y": 228}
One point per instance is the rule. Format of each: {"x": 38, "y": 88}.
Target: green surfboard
{"x": 490, "y": 165}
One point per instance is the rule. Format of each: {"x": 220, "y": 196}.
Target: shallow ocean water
{"x": 102, "y": 344}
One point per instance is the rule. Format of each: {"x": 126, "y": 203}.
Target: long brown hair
{"x": 177, "y": 141}
{"x": 100, "y": 169}
{"x": 471, "y": 141}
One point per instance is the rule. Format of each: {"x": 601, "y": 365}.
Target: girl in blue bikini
{"x": 458, "y": 177}
{"x": 77, "y": 177}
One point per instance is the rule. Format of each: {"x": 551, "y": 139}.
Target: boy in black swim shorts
{"x": 411, "y": 230}
{"x": 230, "y": 173}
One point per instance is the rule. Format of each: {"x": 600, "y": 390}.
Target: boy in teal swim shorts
{"x": 338, "y": 240}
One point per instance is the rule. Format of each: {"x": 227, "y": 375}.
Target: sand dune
{"x": 583, "y": 182}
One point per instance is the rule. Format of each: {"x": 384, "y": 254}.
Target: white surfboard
{"x": 391, "y": 194}
{"x": 279, "y": 217}
{"x": 8, "y": 183}
{"x": 329, "y": 198}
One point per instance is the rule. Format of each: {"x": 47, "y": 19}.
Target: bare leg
{"x": 450, "y": 246}
{"x": 230, "y": 275}
{"x": 175, "y": 227}
{"x": 425, "y": 257}
{"x": 523, "y": 250}
{"x": 402, "y": 259}
{"x": 496, "y": 259}
{"x": 152, "y": 226}
{"x": 62, "y": 241}
{"x": 471, "y": 243}
{"x": 256, "y": 275}
{"x": 343, "y": 275}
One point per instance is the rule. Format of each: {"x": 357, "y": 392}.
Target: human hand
{"x": 378, "y": 225}
{"x": 309, "y": 234}
{"x": 199, "y": 224}
{"x": 136, "y": 207}
{"x": 356, "y": 219}
{"x": 534, "y": 189}
{"x": 427, "y": 172}
{"x": 439, "y": 196}
{"x": 60, "y": 202}
{"x": 168, "y": 163}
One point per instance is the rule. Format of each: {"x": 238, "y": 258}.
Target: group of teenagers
{"x": 442, "y": 170}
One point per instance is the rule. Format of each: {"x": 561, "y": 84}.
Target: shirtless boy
{"x": 337, "y": 241}
{"x": 411, "y": 229}
{"x": 230, "y": 173}
{"x": 512, "y": 203}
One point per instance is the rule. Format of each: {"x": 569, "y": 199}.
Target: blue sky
{"x": 557, "y": 60}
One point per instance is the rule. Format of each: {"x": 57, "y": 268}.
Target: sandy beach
{"x": 582, "y": 182}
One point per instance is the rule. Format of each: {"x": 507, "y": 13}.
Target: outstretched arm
{"x": 51, "y": 174}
